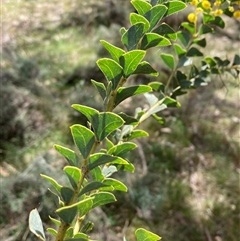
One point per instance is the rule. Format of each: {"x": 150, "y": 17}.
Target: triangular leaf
{"x": 102, "y": 198}
{"x": 100, "y": 159}
{"x": 122, "y": 149}
{"x": 194, "y": 52}
{"x": 136, "y": 18}
{"x": 111, "y": 69}
{"x": 141, "y": 6}
{"x": 86, "y": 111}
{"x": 144, "y": 235}
{"x": 53, "y": 182}
{"x": 131, "y": 60}
{"x": 145, "y": 68}
{"x": 116, "y": 184}
{"x": 35, "y": 224}
{"x": 153, "y": 39}
{"x": 67, "y": 194}
{"x": 132, "y": 36}
{"x": 74, "y": 175}
{"x": 174, "y": 7}
{"x": 90, "y": 187}
{"x": 166, "y": 31}
{"x": 105, "y": 123}
{"x": 126, "y": 92}
{"x": 83, "y": 138}
{"x": 70, "y": 155}
{"x": 168, "y": 59}
{"x": 155, "y": 14}
{"x": 115, "y": 52}
{"x": 100, "y": 88}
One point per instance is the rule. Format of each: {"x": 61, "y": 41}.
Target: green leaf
{"x": 70, "y": 155}
{"x": 194, "y": 52}
{"x": 67, "y": 213}
{"x": 73, "y": 174}
{"x": 152, "y": 39}
{"x": 55, "y": 221}
{"x": 87, "y": 111}
{"x": 115, "y": 52}
{"x": 35, "y": 224}
{"x": 84, "y": 206}
{"x": 131, "y": 60}
{"x": 141, "y": 6}
{"x": 100, "y": 88}
{"x": 129, "y": 120}
{"x": 90, "y": 187}
{"x": 105, "y": 123}
{"x": 137, "y": 134}
{"x": 218, "y": 21}
{"x": 145, "y": 68}
{"x": 174, "y": 7}
{"x": 67, "y": 194}
{"x": 97, "y": 174}
{"x": 52, "y": 231}
{"x": 144, "y": 235}
{"x": 155, "y": 14}
{"x": 136, "y": 18}
{"x": 236, "y": 60}
{"x": 193, "y": 72}
{"x": 122, "y": 149}
{"x": 100, "y": 159}
{"x": 83, "y": 138}
{"x": 87, "y": 227}
{"x": 111, "y": 69}
{"x": 157, "y": 86}
{"x": 200, "y": 42}
{"x": 179, "y": 50}
{"x": 210, "y": 61}
{"x": 205, "y": 29}
{"x": 170, "y": 102}
{"x": 184, "y": 37}
{"x": 184, "y": 61}
{"x": 189, "y": 26}
{"x": 119, "y": 186}
{"x": 168, "y": 59}
{"x": 132, "y": 36}
{"x": 102, "y": 198}
{"x": 53, "y": 182}
{"x": 126, "y": 92}
{"x": 107, "y": 171}
{"x": 166, "y": 31}
{"x": 159, "y": 119}
{"x": 77, "y": 239}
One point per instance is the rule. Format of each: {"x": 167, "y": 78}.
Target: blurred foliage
{"x": 192, "y": 188}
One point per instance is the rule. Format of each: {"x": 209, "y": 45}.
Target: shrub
{"x": 104, "y": 143}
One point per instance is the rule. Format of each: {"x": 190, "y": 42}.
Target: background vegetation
{"x": 186, "y": 185}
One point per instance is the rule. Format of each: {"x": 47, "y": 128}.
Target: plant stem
{"x": 64, "y": 226}
{"x": 111, "y": 102}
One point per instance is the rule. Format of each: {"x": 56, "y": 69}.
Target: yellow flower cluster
{"x": 215, "y": 9}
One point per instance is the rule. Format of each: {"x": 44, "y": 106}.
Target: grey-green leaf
{"x": 35, "y": 224}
